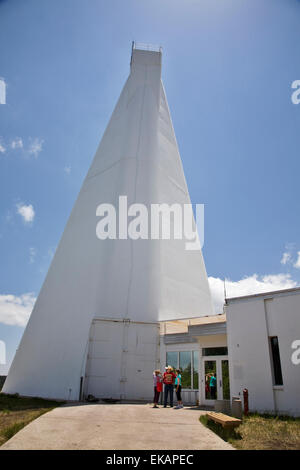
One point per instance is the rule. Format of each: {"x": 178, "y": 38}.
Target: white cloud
{"x": 17, "y": 143}
{"x": 16, "y": 310}
{"x": 67, "y": 170}
{"x": 35, "y": 147}
{"x": 248, "y": 285}
{"x": 32, "y": 255}
{"x": 2, "y": 91}
{"x": 288, "y": 255}
{"x": 286, "y": 258}
{"x": 27, "y": 212}
{"x": 297, "y": 263}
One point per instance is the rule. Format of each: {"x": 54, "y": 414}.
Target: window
{"x": 172, "y": 359}
{"x": 277, "y": 374}
{"x": 195, "y": 369}
{"x": 215, "y": 351}
{"x": 187, "y": 362}
{"x": 185, "y": 365}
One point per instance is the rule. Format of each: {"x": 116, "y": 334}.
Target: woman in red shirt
{"x": 169, "y": 378}
{"x": 157, "y": 383}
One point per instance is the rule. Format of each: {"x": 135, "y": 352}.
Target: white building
{"x": 255, "y": 345}
{"x": 263, "y": 333}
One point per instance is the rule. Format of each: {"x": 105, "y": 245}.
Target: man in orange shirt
{"x": 168, "y": 380}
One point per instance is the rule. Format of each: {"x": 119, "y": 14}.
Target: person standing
{"x": 178, "y": 389}
{"x": 207, "y": 390}
{"x": 213, "y": 386}
{"x": 168, "y": 380}
{"x": 157, "y": 378}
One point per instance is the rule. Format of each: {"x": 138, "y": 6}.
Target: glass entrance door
{"x": 211, "y": 379}
{"x": 215, "y": 379}
{"x": 225, "y": 379}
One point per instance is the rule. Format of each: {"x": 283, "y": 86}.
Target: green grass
{"x": 16, "y": 412}
{"x": 260, "y": 432}
{"x": 13, "y": 429}
{"x": 15, "y": 402}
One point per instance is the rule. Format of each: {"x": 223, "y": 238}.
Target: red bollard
{"x": 246, "y": 401}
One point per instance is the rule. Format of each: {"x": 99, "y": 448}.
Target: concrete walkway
{"x": 117, "y": 427}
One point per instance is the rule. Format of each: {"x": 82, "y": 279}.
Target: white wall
{"x": 213, "y": 341}
{"x": 250, "y": 323}
{"x": 121, "y": 360}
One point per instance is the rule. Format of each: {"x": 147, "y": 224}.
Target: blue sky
{"x": 228, "y": 67}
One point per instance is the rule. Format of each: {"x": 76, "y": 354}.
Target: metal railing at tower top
{"x": 146, "y": 47}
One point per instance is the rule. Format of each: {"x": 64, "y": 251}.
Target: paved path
{"x": 117, "y": 427}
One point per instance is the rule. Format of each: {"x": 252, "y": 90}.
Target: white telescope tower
{"x": 93, "y": 329}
